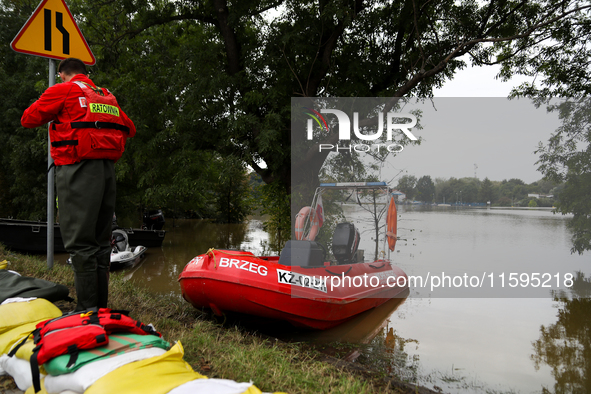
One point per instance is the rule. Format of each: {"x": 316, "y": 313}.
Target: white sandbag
{"x": 19, "y": 369}
{"x": 31, "y": 390}
{"x": 17, "y": 299}
{"x": 214, "y": 386}
{"x": 83, "y": 378}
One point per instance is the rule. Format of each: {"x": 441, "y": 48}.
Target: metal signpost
{"x": 51, "y": 32}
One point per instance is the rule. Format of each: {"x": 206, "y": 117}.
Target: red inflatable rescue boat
{"x": 303, "y": 285}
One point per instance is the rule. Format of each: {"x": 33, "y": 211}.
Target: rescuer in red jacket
{"x": 88, "y": 131}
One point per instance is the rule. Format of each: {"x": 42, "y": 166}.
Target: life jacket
{"x": 118, "y": 321}
{"x": 69, "y": 334}
{"x": 100, "y": 134}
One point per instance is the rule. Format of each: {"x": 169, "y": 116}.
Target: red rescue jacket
{"x": 87, "y": 122}
{"x": 71, "y": 333}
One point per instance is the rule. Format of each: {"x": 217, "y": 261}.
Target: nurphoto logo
{"x": 344, "y": 122}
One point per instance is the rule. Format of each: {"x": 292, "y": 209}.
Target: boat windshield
{"x": 364, "y": 205}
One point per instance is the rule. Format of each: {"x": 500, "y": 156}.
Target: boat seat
{"x": 302, "y": 254}
{"x": 345, "y": 241}
{"x": 119, "y": 240}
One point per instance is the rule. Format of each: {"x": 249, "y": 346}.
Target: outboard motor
{"x": 345, "y": 242}
{"x": 153, "y": 220}
{"x": 119, "y": 240}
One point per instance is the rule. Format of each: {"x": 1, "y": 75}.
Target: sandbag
{"x": 215, "y": 386}
{"x": 31, "y": 389}
{"x": 25, "y": 351}
{"x": 118, "y": 344}
{"x": 14, "y": 285}
{"x": 156, "y": 375}
{"x": 87, "y": 375}
{"x": 14, "y": 314}
{"x": 19, "y": 369}
{"x": 18, "y": 299}
{"x": 11, "y": 337}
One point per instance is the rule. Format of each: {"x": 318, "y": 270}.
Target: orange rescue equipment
{"x": 100, "y": 134}
{"x": 391, "y": 224}
{"x": 306, "y": 214}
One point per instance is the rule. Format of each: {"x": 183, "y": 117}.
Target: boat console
{"x": 303, "y": 254}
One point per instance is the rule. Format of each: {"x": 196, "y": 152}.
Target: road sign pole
{"x": 50, "y": 184}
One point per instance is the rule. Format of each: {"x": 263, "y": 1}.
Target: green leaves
{"x": 205, "y": 80}
{"x": 567, "y": 158}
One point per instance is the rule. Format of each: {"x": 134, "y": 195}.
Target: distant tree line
{"x": 512, "y": 192}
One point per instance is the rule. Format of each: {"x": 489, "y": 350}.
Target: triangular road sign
{"x": 52, "y": 32}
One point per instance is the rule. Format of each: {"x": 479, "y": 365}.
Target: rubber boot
{"x": 103, "y": 268}
{"x": 85, "y": 281}
{"x": 86, "y": 291}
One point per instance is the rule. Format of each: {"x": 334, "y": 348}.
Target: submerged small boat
{"x": 304, "y": 285}
{"x": 123, "y": 255}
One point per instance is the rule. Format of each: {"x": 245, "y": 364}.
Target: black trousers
{"x": 86, "y": 201}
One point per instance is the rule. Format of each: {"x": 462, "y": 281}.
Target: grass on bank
{"x": 213, "y": 350}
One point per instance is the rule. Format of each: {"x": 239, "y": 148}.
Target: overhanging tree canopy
{"x": 238, "y": 63}
{"x": 218, "y": 75}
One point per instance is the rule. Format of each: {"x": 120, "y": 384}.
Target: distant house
{"x": 398, "y": 195}
{"x": 534, "y": 195}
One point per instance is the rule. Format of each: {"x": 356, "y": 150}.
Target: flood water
{"x": 477, "y": 341}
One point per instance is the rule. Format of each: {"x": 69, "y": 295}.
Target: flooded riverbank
{"x": 460, "y": 344}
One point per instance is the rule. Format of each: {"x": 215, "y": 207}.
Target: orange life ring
{"x": 306, "y": 214}
{"x": 391, "y": 224}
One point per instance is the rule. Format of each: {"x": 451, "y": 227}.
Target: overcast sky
{"x": 473, "y": 124}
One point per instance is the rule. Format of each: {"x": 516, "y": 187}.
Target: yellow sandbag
{"x": 26, "y": 350}
{"x": 154, "y": 375}
{"x": 31, "y": 390}
{"x": 15, "y": 314}
{"x": 252, "y": 390}
{"x": 9, "y": 338}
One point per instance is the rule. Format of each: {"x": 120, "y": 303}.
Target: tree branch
{"x": 464, "y": 47}
{"x": 230, "y": 41}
